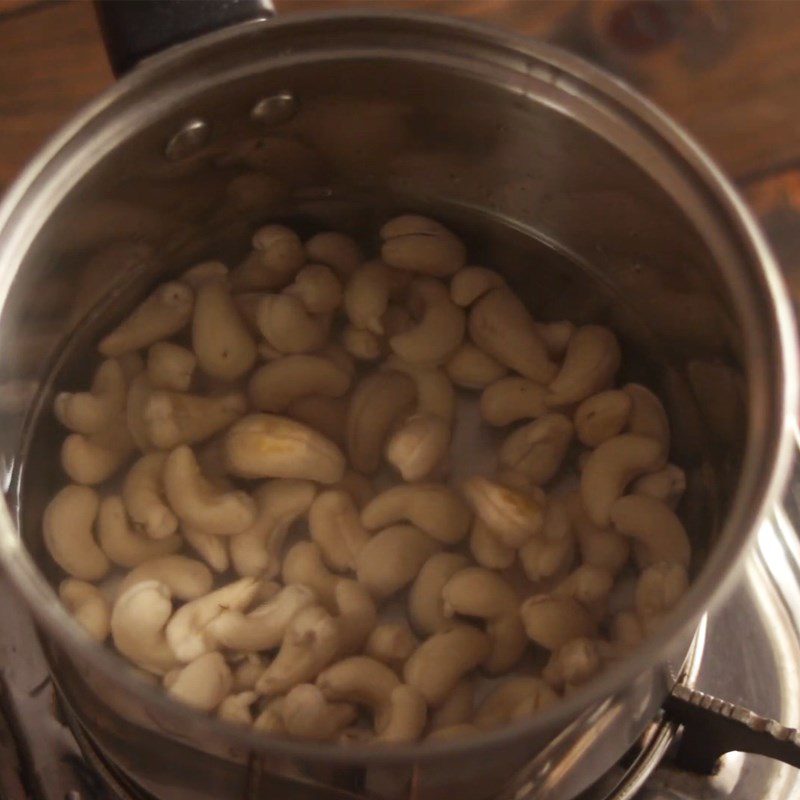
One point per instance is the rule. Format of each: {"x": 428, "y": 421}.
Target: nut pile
{"x": 262, "y": 512}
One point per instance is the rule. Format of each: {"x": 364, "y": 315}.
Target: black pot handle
{"x": 135, "y": 29}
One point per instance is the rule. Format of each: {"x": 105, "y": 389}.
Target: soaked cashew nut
{"x": 440, "y": 329}
{"x": 88, "y": 606}
{"x": 199, "y": 503}
{"x": 511, "y": 399}
{"x": 602, "y": 416}
{"x": 142, "y": 493}
{"x": 170, "y": 366}
{"x": 655, "y": 527}
{"x": 487, "y": 548}
{"x": 590, "y": 364}
{"x": 515, "y": 698}
{"x": 435, "y": 393}
{"x": 433, "y": 507}
{"x": 336, "y": 353}
{"x": 92, "y": 411}
{"x": 358, "y": 487}
{"x": 121, "y": 543}
{"x": 392, "y": 558}
{"x": 67, "y": 527}
{"x": 311, "y": 642}
{"x": 366, "y": 297}
{"x": 138, "y": 619}
{"x": 328, "y": 415}
{"x": 600, "y": 547}
{"x": 404, "y": 719}
{"x": 362, "y": 344}
{"x": 391, "y": 643}
{"x": 357, "y": 615}
{"x": 611, "y": 467}
{"x": 539, "y": 448}
{"x": 203, "y": 683}
{"x": 270, "y": 720}
{"x": 174, "y": 418}
{"x": 425, "y": 604}
{"x": 204, "y": 272}
{"x": 212, "y": 549}
{"x": 573, "y": 664}
{"x": 556, "y": 336}
{"x": 471, "y": 283}
{"x": 286, "y": 324}
{"x": 270, "y": 446}
{"x": 666, "y": 485}
{"x": 276, "y": 385}
{"x": 335, "y": 526}
{"x": 235, "y": 708}
{"x": 554, "y": 550}
{"x": 186, "y": 578}
{"x": 360, "y": 680}
{"x": 551, "y": 622}
{"x": 318, "y": 288}
{"x": 513, "y": 517}
{"x": 589, "y": 585}
{"x": 471, "y": 368}
{"x": 188, "y": 631}
{"x": 308, "y": 715}
{"x": 277, "y": 255}
{"x": 303, "y": 564}
{"x": 378, "y": 402}
{"x": 457, "y": 709}
{"x": 338, "y": 251}
{"x": 93, "y": 458}
{"x": 441, "y": 661}
{"x": 647, "y": 416}
{"x": 421, "y": 244}
{"x": 139, "y": 393}
{"x": 247, "y": 672}
{"x": 162, "y": 314}
{"x": 501, "y": 325}
{"x": 418, "y": 446}
{"x": 279, "y": 503}
{"x": 658, "y": 590}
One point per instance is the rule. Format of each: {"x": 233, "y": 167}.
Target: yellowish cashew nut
{"x": 441, "y": 661}
{"x": 277, "y": 255}
{"x": 573, "y": 664}
{"x": 420, "y": 244}
{"x": 435, "y": 393}
{"x": 457, "y": 709}
{"x": 93, "y": 458}
{"x": 270, "y": 720}
{"x": 440, "y": 329}
{"x": 391, "y": 643}
{"x": 138, "y": 619}
{"x": 303, "y": 564}
{"x": 590, "y": 364}
{"x": 512, "y": 399}
{"x": 471, "y": 283}
{"x": 556, "y": 336}
{"x": 308, "y": 715}
{"x": 589, "y": 585}
{"x": 648, "y": 417}
{"x": 357, "y": 615}
{"x": 235, "y": 708}
{"x": 318, "y": 288}
{"x": 404, "y": 719}
{"x": 362, "y": 344}
{"x": 204, "y": 683}
{"x": 199, "y": 503}
{"x": 553, "y": 621}
{"x": 275, "y": 386}
{"x": 311, "y": 642}
{"x": 392, "y": 558}
{"x": 538, "y": 449}
{"x": 174, "y": 418}
{"x": 188, "y": 631}
{"x": 335, "y": 526}
{"x": 186, "y": 578}
{"x": 67, "y": 527}
{"x": 338, "y": 251}
{"x": 488, "y": 550}
{"x": 279, "y": 503}
{"x": 286, "y": 324}
{"x": 655, "y": 527}
{"x": 212, "y": 549}
{"x": 471, "y": 368}
{"x": 88, "y": 606}
{"x": 378, "y": 402}
{"x": 502, "y": 326}
{"x": 554, "y": 550}
{"x": 170, "y": 366}
{"x": 357, "y": 486}
{"x": 247, "y": 672}
{"x": 143, "y": 495}
{"x": 611, "y": 467}
{"x": 425, "y": 604}
{"x": 361, "y": 680}
{"x": 204, "y": 272}
{"x": 121, "y": 543}
{"x": 264, "y": 627}
{"x": 513, "y": 517}
{"x": 433, "y": 507}
{"x": 92, "y": 411}
{"x": 418, "y": 446}
{"x": 602, "y": 416}
{"x": 366, "y": 297}
{"x": 600, "y": 547}
{"x": 515, "y": 698}
{"x": 328, "y": 415}
{"x": 659, "y": 589}
{"x": 271, "y": 446}
{"x": 163, "y": 313}
{"x": 666, "y": 485}
{"x": 139, "y": 393}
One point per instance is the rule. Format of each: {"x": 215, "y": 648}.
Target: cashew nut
{"x": 288, "y": 326}
{"x": 647, "y": 416}
{"x": 88, "y": 606}
{"x": 553, "y": 621}
{"x": 247, "y": 672}
{"x": 276, "y": 385}
{"x": 328, "y": 415}
{"x": 538, "y": 449}
{"x": 277, "y": 255}
{"x": 658, "y": 590}
{"x": 471, "y": 283}
{"x": 203, "y": 683}
{"x": 336, "y": 250}
{"x": 404, "y": 720}
{"x": 435, "y": 393}
{"x": 358, "y": 487}
{"x": 303, "y": 564}
{"x": 502, "y": 326}
{"x": 511, "y": 399}
{"x": 67, "y": 527}
{"x": 590, "y": 364}
{"x": 336, "y": 528}
{"x": 212, "y": 549}
{"x": 666, "y": 485}
{"x": 235, "y": 708}
{"x": 269, "y": 446}
{"x": 611, "y": 467}
{"x": 204, "y": 272}
{"x": 471, "y": 368}
{"x": 440, "y": 329}
{"x": 142, "y": 494}
{"x": 270, "y": 720}
{"x": 139, "y": 393}
{"x": 92, "y": 411}
{"x": 279, "y": 503}
{"x": 425, "y": 604}
{"x": 170, "y": 366}
{"x": 392, "y": 558}
{"x": 573, "y": 664}
{"x": 589, "y": 585}
{"x": 600, "y": 547}
{"x": 186, "y": 578}
{"x": 391, "y": 643}
{"x": 487, "y": 548}
{"x": 421, "y": 245}
{"x": 653, "y": 525}
{"x": 602, "y": 416}
{"x": 378, "y": 401}
{"x": 138, "y": 619}
{"x": 457, "y": 709}
{"x": 515, "y": 698}
{"x": 93, "y": 458}
{"x": 554, "y": 550}
{"x": 418, "y": 446}
{"x": 361, "y": 344}
{"x": 163, "y": 313}
{"x": 357, "y": 615}
{"x": 318, "y": 288}
{"x": 556, "y": 336}
{"x": 308, "y": 715}
{"x": 441, "y": 661}
{"x": 366, "y": 297}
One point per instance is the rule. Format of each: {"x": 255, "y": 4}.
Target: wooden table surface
{"x": 729, "y": 70}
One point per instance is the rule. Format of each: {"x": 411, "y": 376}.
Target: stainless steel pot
{"x": 595, "y": 206}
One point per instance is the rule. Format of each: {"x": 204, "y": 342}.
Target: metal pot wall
{"x": 594, "y": 205}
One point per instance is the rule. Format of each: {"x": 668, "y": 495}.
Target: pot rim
{"x": 719, "y": 572}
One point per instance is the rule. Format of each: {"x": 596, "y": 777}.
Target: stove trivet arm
{"x": 713, "y": 727}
